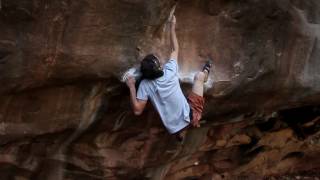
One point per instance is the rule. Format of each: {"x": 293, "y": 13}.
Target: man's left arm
{"x": 136, "y": 104}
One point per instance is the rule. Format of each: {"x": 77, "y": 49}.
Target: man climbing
{"x": 161, "y": 86}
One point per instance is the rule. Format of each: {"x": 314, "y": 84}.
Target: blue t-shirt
{"x": 166, "y": 95}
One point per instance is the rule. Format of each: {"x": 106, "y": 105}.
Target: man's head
{"x": 150, "y": 67}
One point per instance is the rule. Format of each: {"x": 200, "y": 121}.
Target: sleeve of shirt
{"x": 142, "y": 93}
{"x": 172, "y": 65}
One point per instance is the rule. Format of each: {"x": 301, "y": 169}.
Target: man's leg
{"x": 199, "y": 79}
{"x": 197, "y": 88}
{"x": 196, "y": 102}
{"x": 195, "y": 98}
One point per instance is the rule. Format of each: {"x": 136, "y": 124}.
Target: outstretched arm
{"x": 136, "y": 104}
{"x": 174, "y": 40}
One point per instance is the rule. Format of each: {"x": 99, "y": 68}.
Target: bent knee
{"x": 200, "y": 76}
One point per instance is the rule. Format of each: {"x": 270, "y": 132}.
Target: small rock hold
{"x": 221, "y": 143}
{"x": 216, "y": 177}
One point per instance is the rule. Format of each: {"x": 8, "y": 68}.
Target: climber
{"x": 161, "y": 86}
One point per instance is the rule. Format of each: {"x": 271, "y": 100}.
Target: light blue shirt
{"x": 166, "y": 96}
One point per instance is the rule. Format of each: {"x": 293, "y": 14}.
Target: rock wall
{"x": 65, "y": 115}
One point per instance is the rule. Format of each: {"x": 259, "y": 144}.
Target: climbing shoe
{"x": 207, "y": 66}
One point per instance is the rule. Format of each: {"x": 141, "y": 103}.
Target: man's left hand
{"x": 131, "y": 81}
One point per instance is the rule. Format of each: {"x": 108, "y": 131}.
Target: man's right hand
{"x": 173, "y": 19}
{"x": 172, "y": 13}
{"x": 131, "y": 81}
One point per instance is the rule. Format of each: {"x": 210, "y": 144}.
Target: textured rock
{"x": 65, "y": 115}
{"x": 45, "y": 42}
{"x": 267, "y": 50}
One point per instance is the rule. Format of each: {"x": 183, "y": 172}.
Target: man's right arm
{"x": 174, "y": 40}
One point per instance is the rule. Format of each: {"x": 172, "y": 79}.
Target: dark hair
{"x": 150, "y": 67}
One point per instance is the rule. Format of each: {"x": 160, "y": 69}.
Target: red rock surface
{"x": 64, "y": 114}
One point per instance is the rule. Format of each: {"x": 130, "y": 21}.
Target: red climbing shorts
{"x": 196, "y": 103}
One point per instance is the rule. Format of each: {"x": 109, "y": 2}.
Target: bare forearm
{"x": 133, "y": 97}
{"x": 136, "y": 104}
{"x": 173, "y": 37}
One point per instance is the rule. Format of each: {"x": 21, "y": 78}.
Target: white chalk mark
{"x": 88, "y": 117}
{"x": 189, "y": 78}
{"x": 119, "y": 122}
{"x": 135, "y": 72}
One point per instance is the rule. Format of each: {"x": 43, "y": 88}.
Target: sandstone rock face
{"x": 64, "y": 114}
